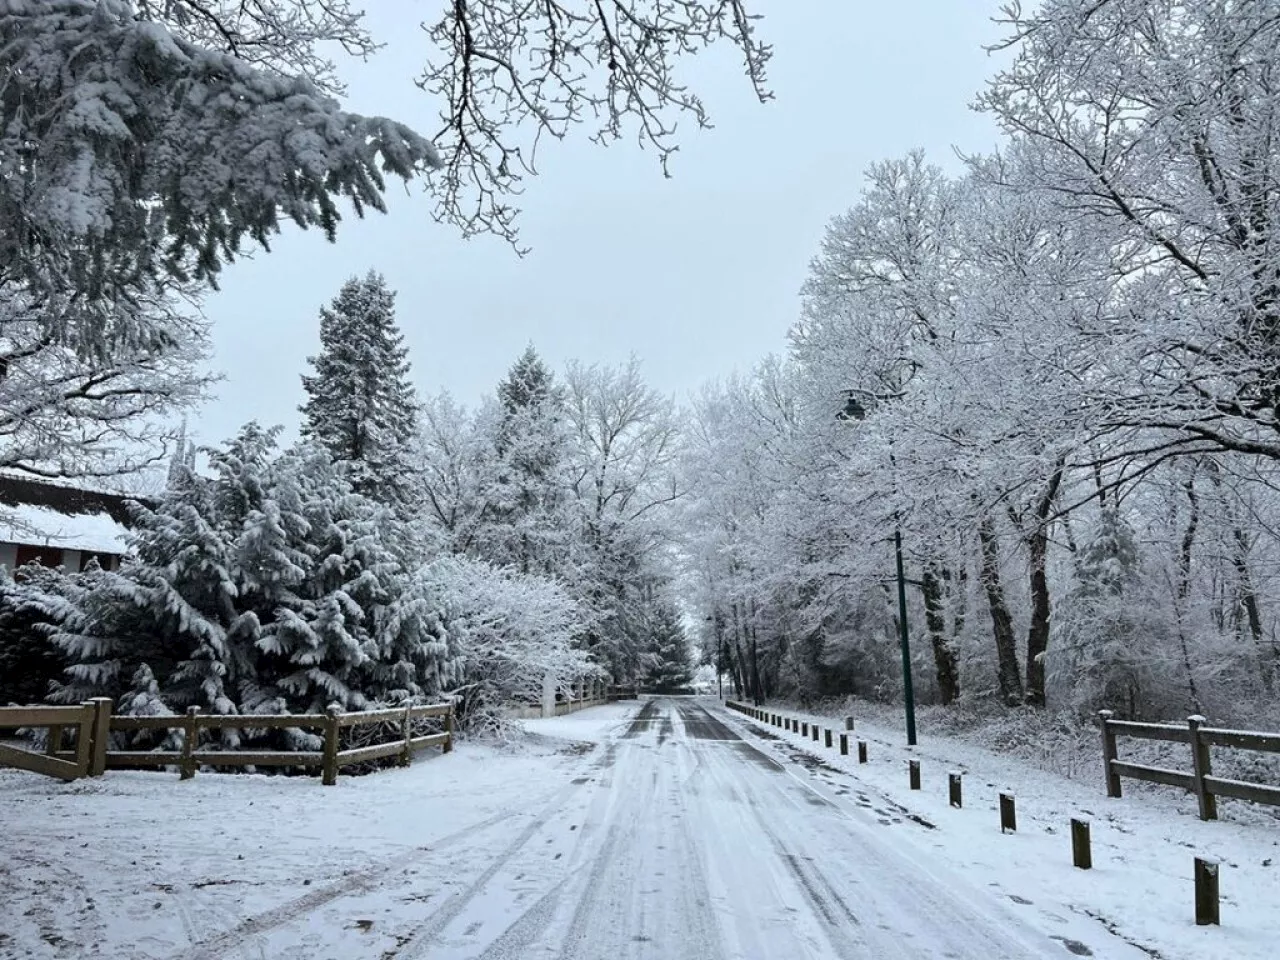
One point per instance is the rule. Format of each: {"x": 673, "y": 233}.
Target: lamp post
{"x": 854, "y": 410}
{"x": 908, "y": 692}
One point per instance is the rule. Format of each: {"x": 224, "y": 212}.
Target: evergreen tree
{"x": 29, "y": 663}
{"x": 360, "y": 404}
{"x": 670, "y": 665}
{"x": 528, "y": 528}
{"x": 267, "y": 587}
{"x": 1106, "y": 636}
{"x": 527, "y": 384}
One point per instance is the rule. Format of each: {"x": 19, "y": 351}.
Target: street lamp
{"x": 854, "y": 410}
{"x": 908, "y": 692}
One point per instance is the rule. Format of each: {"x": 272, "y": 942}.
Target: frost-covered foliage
{"x": 510, "y": 630}
{"x": 360, "y": 403}
{"x": 568, "y": 481}
{"x": 262, "y": 587}
{"x": 133, "y": 161}
{"x": 30, "y": 665}
{"x": 63, "y": 415}
{"x": 1054, "y": 372}
{"x": 669, "y": 666}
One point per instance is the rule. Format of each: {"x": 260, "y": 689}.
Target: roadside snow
{"x": 1143, "y": 846}
{"x": 142, "y": 865}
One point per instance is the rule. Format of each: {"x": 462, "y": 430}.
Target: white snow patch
{"x": 43, "y": 526}
{"x": 1143, "y": 846}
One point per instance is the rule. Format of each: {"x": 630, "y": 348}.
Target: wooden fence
{"x": 88, "y": 723}
{"x": 1200, "y": 780}
{"x": 91, "y": 724}
{"x": 580, "y": 697}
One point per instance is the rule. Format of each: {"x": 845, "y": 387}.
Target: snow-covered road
{"x": 679, "y": 839}
{"x": 679, "y": 830}
{"x": 695, "y": 844}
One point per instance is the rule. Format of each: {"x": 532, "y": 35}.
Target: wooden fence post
{"x": 84, "y": 739}
{"x": 1207, "y": 907}
{"x": 406, "y": 753}
{"x": 1109, "y": 753}
{"x": 54, "y": 742}
{"x": 862, "y": 751}
{"x": 844, "y": 744}
{"x": 190, "y": 735}
{"x": 954, "y": 787}
{"x": 804, "y": 729}
{"x": 101, "y": 734}
{"x": 827, "y": 735}
{"x": 1201, "y": 768}
{"x": 913, "y": 774}
{"x": 1008, "y": 814}
{"x": 330, "y": 769}
{"x": 1081, "y": 850}
{"x": 448, "y": 728}
{"x": 848, "y": 723}
{"x": 815, "y": 732}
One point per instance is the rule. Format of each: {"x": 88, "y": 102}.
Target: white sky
{"x": 697, "y": 275}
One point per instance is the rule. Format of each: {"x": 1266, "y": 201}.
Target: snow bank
{"x": 1143, "y": 846}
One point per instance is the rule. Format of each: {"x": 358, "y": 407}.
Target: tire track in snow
{"x": 423, "y": 936}
{"x": 361, "y": 881}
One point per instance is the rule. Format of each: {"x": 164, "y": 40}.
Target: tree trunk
{"x": 944, "y": 654}
{"x": 741, "y": 679}
{"x": 1041, "y": 608}
{"x": 1184, "y": 590}
{"x": 1249, "y": 600}
{"x": 1001, "y": 622}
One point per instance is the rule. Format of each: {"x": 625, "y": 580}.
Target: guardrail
{"x": 1200, "y": 780}
{"x": 91, "y": 725}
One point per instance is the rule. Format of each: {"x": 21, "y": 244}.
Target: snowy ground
{"x": 1143, "y": 845}
{"x": 668, "y": 829}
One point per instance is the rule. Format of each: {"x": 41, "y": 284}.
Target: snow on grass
{"x": 143, "y": 865}
{"x": 1143, "y": 845}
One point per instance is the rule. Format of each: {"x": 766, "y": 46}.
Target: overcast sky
{"x": 697, "y": 275}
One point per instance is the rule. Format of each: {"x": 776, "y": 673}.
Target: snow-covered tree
{"x": 623, "y": 480}
{"x": 134, "y": 162}
{"x": 509, "y": 631}
{"x": 670, "y": 666}
{"x": 361, "y": 406}
{"x": 62, "y": 415}
{"x": 264, "y": 586}
{"x": 527, "y": 525}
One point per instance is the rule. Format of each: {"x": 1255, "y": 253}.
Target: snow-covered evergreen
{"x": 262, "y": 586}
{"x": 670, "y": 666}
{"x": 360, "y": 404}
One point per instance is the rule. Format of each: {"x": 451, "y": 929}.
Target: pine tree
{"x": 529, "y": 383}
{"x": 670, "y": 665}
{"x": 1101, "y": 662}
{"x": 29, "y": 663}
{"x": 361, "y": 406}
{"x": 527, "y": 529}
{"x": 319, "y": 647}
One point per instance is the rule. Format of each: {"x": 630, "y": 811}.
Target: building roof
{"x": 42, "y": 513}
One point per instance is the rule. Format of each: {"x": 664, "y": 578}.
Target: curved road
{"x": 680, "y": 840}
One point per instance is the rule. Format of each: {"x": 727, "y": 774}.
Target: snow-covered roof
{"x": 39, "y": 513}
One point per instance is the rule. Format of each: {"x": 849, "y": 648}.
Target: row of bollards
{"x": 1206, "y": 870}
{"x": 812, "y": 731}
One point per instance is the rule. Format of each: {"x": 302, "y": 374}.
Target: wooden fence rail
{"x": 87, "y": 724}
{"x": 91, "y": 724}
{"x": 1200, "y": 780}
